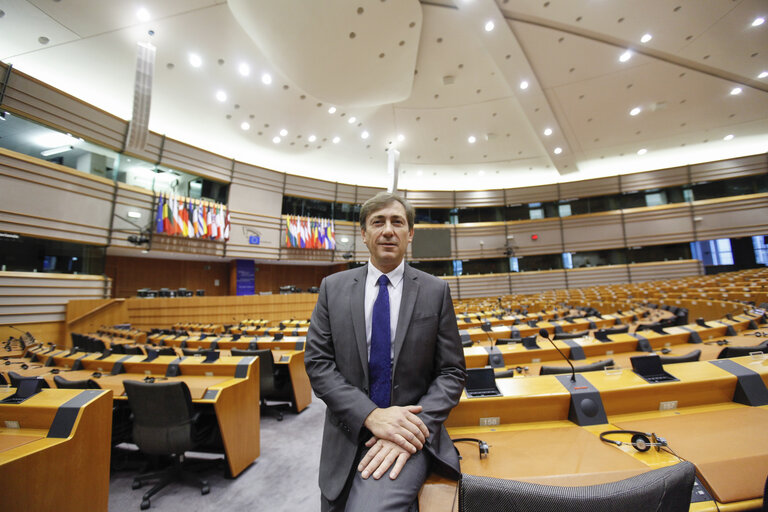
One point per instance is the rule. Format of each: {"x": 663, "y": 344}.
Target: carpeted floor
{"x": 283, "y": 478}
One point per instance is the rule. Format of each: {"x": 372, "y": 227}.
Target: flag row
{"x": 191, "y": 218}
{"x": 309, "y": 233}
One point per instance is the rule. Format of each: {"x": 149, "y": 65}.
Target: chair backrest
{"x": 63, "y": 383}
{"x": 162, "y": 416}
{"x": 693, "y": 355}
{"x": 243, "y": 352}
{"x": 593, "y": 367}
{"x": 16, "y": 379}
{"x": 570, "y": 335}
{"x": 741, "y": 351}
{"x": 266, "y": 371}
{"x": 666, "y": 489}
{"x": 133, "y": 351}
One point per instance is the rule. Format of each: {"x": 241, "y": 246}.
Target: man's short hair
{"x": 381, "y": 200}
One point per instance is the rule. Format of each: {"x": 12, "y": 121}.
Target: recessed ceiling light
{"x": 419, "y": 172}
{"x": 728, "y": 137}
{"x": 400, "y": 137}
{"x": 351, "y": 119}
{"x": 481, "y": 173}
{"x": 471, "y": 139}
{"x": 276, "y": 139}
{"x": 646, "y": 38}
{"x": 635, "y": 111}
{"x": 266, "y": 78}
{"x": 221, "y": 96}
{"x": 763, "y": 74}
{"x": 143, "y": 14}
{"x": 548, "y": 132}
{"x": 283, "y": 132}
{"x": 245, "y": 125}
{"x": 489, "y": 25}
{"x": 524, "y": 85}
{"x": 332, "y": 110}
{"x": 758, "y": 22}
{"x": 244, "y": 69}
{"x": 364, "y": 135}
{"x": 195, "y": 61}
{"x": 641, "y": 152}
{"x": 558, "y": 150}
{"x": 312, "y": 138}
{"x": 735, "y": 91}
{"x": 134, "y": 214}
{"x": 625, "y": 56}
{"x": 336, "y": 140}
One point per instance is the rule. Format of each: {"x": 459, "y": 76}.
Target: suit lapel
{"x": 407, "y": 303}
{"x": 357, "y": 308}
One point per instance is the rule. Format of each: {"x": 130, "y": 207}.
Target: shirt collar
{"x": 395, "y": 277}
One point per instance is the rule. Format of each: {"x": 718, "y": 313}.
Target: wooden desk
{"x": 61, "y": 432}
{"x": 229, "y": 384}
{"x": 529, "y": 423}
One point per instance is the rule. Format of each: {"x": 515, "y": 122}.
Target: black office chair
{"x": 63, "y": 383}
{"x": 593, "y": 367}
{"x": 273, "y": 384}
{"x": 666, "y": 489}
{"x": 16, "y": 380}
{"x": 734, "y": 351}
{"x": 133, "y": 351}
{"x": 243, "y": 352}
{"x": 693, "y": 355}
{"x": 166, "y": 351}
{"x": 164, "y": 423}
{"x": 571, "y": 335}
{"x": 193, "y": 351}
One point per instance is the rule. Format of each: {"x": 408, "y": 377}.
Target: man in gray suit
{"x": 383, "y": 431}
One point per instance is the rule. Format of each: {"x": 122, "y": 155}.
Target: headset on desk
{"x": 643, "y": 441}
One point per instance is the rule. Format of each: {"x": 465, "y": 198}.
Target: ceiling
{"x": 421, "y": 77}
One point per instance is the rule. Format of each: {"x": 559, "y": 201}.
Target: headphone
{"x": 641, "y": 441}
{"x": 482, "y": 445}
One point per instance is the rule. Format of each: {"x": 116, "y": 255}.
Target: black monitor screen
{"x": 480, "y": 378}
{"x": 431, "y": 243}
{"x": 647, "y": 365}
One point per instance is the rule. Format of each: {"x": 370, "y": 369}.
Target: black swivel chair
{"x": 273, "y": 384}
{"x": 164, "y": 423}
{"x": 63, "y": 383}
{"x": 16, "y": 380}
{"x": 666, "y": 489}
{"x": 737, "y": 351}
{"x": 693, "y": 355}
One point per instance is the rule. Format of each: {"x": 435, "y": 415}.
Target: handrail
{"x": 111, "y": 303}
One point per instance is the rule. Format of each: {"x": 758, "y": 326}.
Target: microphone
{"x": 545, "y": 334}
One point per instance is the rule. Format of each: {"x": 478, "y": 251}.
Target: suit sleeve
{"x": 348, "y": 404}
{"x": 449, "y": 369}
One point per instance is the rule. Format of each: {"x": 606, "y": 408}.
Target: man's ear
{"x": 410, "y": 235}
{"x": 362, "y": 234}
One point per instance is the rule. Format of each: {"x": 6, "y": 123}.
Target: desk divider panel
{"x": 750, "y": 388}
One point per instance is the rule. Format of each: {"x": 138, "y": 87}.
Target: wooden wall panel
{"x": 53, "y": 201}
{"x": 589, "y": 188}
{"x": 130, "y": 274}
{"x": 731, "y": 217}
{"x": 724, "y": 169}
{"x": 44, "y": 332}
{"x": 300, "y": 186}
{"x": 55, "y": 108}
{"x": 654, "y": 179}
{"x": 184, "y": 157}
{"x": 430, "y": 198}
{"x": 593, "y": 232}
{"x": 269, "y": 278}
{"x": 657, "y": 225}
{"x": 41, "y": 298}
{"x": 150, "y": 313}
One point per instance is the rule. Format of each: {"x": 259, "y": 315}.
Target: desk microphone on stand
{"x": 545, "y": 334}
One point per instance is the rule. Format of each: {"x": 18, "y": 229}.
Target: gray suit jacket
{"x": 428, "y": 367}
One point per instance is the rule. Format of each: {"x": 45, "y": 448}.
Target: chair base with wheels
{"x": 177, "y": 472}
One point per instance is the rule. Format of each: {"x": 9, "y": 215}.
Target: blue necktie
{"x": 380, "y": 360}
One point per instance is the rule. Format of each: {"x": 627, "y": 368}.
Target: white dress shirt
{"x": 395, "y": 289}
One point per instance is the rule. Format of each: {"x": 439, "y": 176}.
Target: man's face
{"x": 386, "y": 234}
